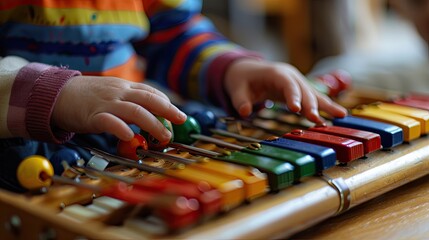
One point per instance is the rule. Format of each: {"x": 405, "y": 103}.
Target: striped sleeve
{"x": 185, "y": 52}
{"x": 28, "y": 95}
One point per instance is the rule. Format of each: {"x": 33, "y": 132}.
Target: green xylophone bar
{"x": 324, "y": 157}
{"x": 280, "y": 174}
{"x": 304, "y": 164}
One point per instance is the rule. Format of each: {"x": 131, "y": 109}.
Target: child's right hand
{"x": 89, "y": 104}
{"x": 249, "y": 81}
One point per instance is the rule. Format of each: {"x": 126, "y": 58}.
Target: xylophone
{"x": 242, "y": 190}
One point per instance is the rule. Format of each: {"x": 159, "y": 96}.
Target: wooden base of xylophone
{"x": 402, "y": 213}
{"x": 275, "y": 215}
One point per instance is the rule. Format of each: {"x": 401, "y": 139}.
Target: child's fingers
{"x": 309, "y": 103}
{"x": 244, "y": 109}
{"x": 282, "y": 82}
{"x": 134, "y": 113}
{"x": 144, "y": 87}
{"x": 330, "y": 107}
{"x": 106, "y": 122}
{"x": 156, "y": 104}
{"x": 241, "y": 100}
{"x": 310, "y": 111}
{"x": 292, "y": 94}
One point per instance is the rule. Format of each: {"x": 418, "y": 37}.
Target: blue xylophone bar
{"x": 325, "y": 157}
{"x": 391, "y": 135}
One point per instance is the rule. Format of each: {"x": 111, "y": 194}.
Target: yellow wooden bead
{"x": 35, "y": 172}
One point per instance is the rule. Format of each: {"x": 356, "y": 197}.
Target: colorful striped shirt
{"x": 43, "y": 43}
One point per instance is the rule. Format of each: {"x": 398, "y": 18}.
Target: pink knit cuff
{"x": 41, "y": 103}
{"x": 216, "y": 74}
{"x": 20, "y": 92}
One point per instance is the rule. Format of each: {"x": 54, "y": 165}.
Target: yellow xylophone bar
{"x": 255, "y": 182}
{"x": 419, "y": 115}
{"x": 410, "y": 127}
{"x": 232, "y": 190}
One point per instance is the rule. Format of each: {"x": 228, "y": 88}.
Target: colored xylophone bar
{"x": 409, "y": 161}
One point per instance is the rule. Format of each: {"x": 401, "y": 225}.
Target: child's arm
{"x": 28, "y": 92}
{"x": 48, "y": 103}
{"x": 187, "y": 54}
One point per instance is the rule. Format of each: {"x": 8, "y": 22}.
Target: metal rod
{"x": 217, "y": 142}
{"x": 122, "y": 161}
{"x": 265, "y": 129}
{"x": 234, "y": 135}
{"x": 68, "y": 181}
{"x": 104, "y": 174}
{"x": 195, "y": 150}
{"x": 155, "y": 154}
{"x": 280, "y": 121}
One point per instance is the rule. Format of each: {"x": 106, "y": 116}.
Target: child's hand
{"x": 249, "y": 81}
{"x": 106, "y": 104}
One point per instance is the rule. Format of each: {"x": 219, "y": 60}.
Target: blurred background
{"x": 368, "y": 38}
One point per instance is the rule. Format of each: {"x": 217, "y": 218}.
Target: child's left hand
{"x": 249, "y": 81}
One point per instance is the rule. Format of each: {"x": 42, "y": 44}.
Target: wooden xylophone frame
{"x": 272, "y": 216}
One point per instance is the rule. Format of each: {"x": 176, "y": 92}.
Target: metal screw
{"x": 254, "y": 146}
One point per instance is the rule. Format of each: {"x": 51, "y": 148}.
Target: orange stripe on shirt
{"x": 128, "y": 5}
{"x": 179, "y": 59}
{"x": 131, "y": 70}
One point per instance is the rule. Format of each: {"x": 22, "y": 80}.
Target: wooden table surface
{"x": 400, "y": 214}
